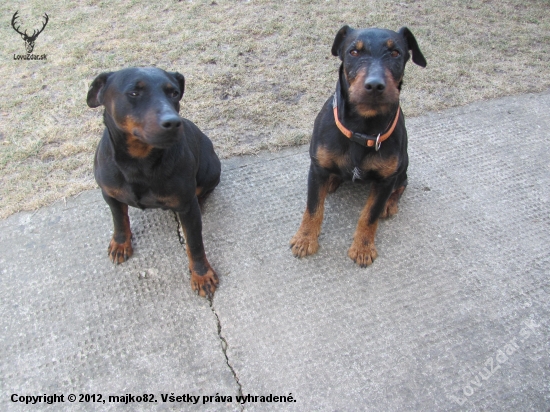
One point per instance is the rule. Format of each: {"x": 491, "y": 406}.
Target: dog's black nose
{"x": 170, "y": 122}
{"x": 375, "y": 85}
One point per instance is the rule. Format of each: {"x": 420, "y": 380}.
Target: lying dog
{"x": 360, "y": 135}
{"x": 150, "y": 157}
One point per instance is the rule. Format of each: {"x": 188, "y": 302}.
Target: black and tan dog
{"x": 150, "y": 157}
{"x": 360, "y": 135}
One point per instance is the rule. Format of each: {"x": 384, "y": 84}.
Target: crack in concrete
{"x": 224, "y": 347}
{"x": 179, "y": 229}
{"x": 223, "y": 342}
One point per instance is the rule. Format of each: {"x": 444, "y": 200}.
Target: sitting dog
{"x": 150, "y": 157}
{"x": 360, "y": 135}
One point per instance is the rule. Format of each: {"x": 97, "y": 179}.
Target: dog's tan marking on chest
{"x": 327, "y": 159}
{"x": 171, "y": 202}
{"x": 137, "y": 148}
{"x": 385, "y": 167}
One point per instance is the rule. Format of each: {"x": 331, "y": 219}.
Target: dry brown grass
{"x": 257, "y": 71}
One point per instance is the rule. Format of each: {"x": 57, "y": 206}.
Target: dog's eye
{"x": 175, "y": 93}
{"x": 354, "y": 52}
{"x": 395, "y": 53}
{"x": 134, "y": 94}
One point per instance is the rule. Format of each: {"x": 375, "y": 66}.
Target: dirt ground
{"x": 257, "y": 72}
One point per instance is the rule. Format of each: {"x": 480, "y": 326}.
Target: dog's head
{"x": 373, "y": 64}
{"x": 142, "y": 102}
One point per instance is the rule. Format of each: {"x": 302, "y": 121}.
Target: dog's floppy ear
{"x": 339, "y": 39}
{"x": 95, "y": 94}
{"x": 417, "y": 56}
{"x": 181, "y": 81}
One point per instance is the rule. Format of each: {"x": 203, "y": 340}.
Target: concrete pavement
{"x": 453, "y": 315}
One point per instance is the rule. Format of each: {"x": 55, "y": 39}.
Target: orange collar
{"x": 360, "y": 138}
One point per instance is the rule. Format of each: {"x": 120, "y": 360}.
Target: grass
{"x": 257, "y": 72}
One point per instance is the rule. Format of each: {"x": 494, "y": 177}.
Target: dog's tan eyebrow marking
{"x": 390, "y": 44}
{"x": 359, "y": 45}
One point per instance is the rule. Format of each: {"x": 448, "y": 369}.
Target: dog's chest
{"x": 372, "y": 166}
{"x": 351, "y": 165}
{"x": 141, "y": 196}
{"x": 357, "y": 174}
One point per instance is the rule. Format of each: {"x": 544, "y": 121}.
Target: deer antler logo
{"x": 29, "y": 40}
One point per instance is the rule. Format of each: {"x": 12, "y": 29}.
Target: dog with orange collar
{"x": 360, "y": 135}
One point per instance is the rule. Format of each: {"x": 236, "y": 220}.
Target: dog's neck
{"x": 353, "y": 120}
{"x": 116, "y": 136}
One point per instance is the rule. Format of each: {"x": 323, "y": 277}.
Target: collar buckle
{"x": 364, "y": 139}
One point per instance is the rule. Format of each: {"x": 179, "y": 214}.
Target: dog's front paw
{"x": 390, "y": 209}
{"x": 363, "y": 253}
{"x": 120, "y": 252}
{"x": 205, "y": 285}
{"x": 304, "y": 245}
